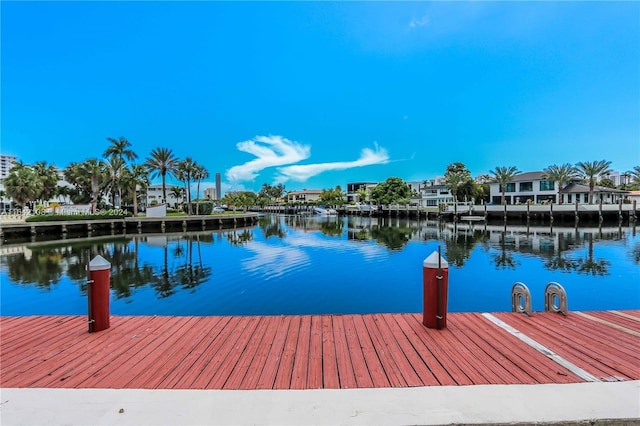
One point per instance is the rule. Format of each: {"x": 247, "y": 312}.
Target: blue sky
{"x": 315, "y": 95}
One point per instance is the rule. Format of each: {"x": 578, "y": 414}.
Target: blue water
{"x": 302, "y": 265}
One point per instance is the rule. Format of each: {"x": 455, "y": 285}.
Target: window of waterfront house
{"x": 511, "y": 187}
{"x": 546, "y": 185}
{"x": 526, "y": 186}
{"x": 577, "y": 198}
{"x": 569, "y": 198}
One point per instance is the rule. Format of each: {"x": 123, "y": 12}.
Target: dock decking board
{"x": 312, "y": 351}
{"x": 602, "y": 360}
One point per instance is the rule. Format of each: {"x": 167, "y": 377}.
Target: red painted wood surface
{"x": 313, "y": 351}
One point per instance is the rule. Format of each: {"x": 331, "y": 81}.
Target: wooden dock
{"x": 138, "y": 225}
{"x": 318, "y": 351}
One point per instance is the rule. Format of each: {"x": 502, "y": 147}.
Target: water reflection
{"x": 44, "y": 265}
{"x": 293, "y": 250}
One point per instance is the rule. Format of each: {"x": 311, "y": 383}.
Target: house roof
{"x": 306, "y": 191}
{"x": 579, "y": 188}
{"x": 523, "y": 177}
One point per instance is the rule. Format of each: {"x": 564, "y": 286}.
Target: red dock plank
{"x": 320, "y": 351}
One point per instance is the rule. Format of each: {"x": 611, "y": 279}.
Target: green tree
{"x": 120, "y": 148}
{"x": 392, "y": 191}
{"x": 117, "y": 154}
{"x": 162, "y": 162}
{"x": 133, "y": 179}
{"x": 114, "y": 168}
{"x": 199, "y": 174}
{"x": 332, "y": 196}
{"x": 22, "y": 184}
{"x": 561, "y": 175}
{"x": 272, "y": 192}
{"x": 457, "y": 178}
{"x": 363, "y": 194}
{"x": 177, "y": 192}
{"x": 635, "y": 175}
{"x": 590, "y": 171}
{"x": 503, "y": 176}
{"x": 185, "y": 170}
{"x": 606, "y": 182}
{"x": 88, "y": 177}
{"x": 47, "y": 178}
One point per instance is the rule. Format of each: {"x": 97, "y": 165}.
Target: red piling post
{"x": 99, "y": 293}
{"x": 435, "y": 283}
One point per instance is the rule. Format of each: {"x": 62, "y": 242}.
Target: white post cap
{"x": 99, "y": 263}
{"x": 432, "y": 261}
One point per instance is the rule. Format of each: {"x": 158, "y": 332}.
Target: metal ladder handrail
{"x": 552, "y": 292}
{"x": 520, "y": 299}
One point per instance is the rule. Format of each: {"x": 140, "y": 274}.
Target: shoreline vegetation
{"x": 65, "y": 226}
{"x": 118, "y": 180}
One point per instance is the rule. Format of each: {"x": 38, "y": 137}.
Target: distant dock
{"x": 131, "y": 225}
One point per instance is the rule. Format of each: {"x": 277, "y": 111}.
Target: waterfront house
{"x": 354, "y": 187}
{"x": 534, "y": 187}
{"x": 577, "y": 192}
{"x": 524, "y": 187}
{"x": 305, "y": 196}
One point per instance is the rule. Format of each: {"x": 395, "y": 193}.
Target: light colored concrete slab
{"x": 392, "y": 406}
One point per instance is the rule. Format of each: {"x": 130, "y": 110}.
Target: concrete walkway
{"x": 607, "y": 403}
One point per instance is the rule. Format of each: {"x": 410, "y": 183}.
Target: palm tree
{"x": 133, "y": 178}
{"x": 114, "y": 168}
{"x": 120, "y": 148}
{"x": 47, "y": 177}
{"x": 162, "y": 162}
{"x": 117, "y": 154}
{"x": 503, "y": 176}
{"x": 363, "y": 193}
{"x": 186, "y": 169}
{"x": 635, "y": 175}
{"x": 453, "y": 181}
{"x": 22, "y": 184}
{"x": 177, "y": 193}
{"x": 89, "y": 177}
{"x": 199, "y": 174}
{"x": 94, "y": 171}
{"x": 561, "y": 175}
{"x": 591, "y": 170}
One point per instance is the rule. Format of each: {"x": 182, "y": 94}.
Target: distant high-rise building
{"x": 218, "y": 186}
{"x": 6, "y": 163}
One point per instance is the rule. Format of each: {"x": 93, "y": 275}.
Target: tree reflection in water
{"x": 239, "y": 237}
{"x": 44, "y": 266}
{"x": 590, "y": 265}
{"x": 393, "y": 236}
{"x": 178, "y": 264}
{"x": 271, "y": 226}
{"x": 460, "y": 245}
{"x": 559, "y": 261}
{"x": 505, "y": 259}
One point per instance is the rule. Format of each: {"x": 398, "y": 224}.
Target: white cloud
{"x": 419, "y": 22}
{"x": 303, "y": 172}
{"x": 271, "y": 151}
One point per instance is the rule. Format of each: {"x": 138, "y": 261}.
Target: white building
{"x": 524, "y": 187}
{"x": 354, "y": 187}
{"x": 304, "y": 196}
{"x": 6, "y": 163}
{"x": 153, "y": 196}
{"x": 533, "y": 187}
